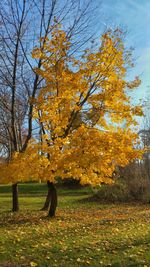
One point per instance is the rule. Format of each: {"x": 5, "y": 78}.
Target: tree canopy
{"x": 84, "y": 113}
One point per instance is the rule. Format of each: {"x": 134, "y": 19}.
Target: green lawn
{"x": 82, "y": 234}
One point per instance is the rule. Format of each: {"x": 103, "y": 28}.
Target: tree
{"x": 145, "y": 136}
{"x": 23, "y": 23}
{"x": 81, "y": 109}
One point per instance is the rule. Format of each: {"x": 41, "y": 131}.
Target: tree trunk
{"x": 48, "y": 198}
{"x": 53, "y": 204}
{"x": 15, "y": 206}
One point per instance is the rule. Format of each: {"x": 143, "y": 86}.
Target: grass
{"x": 82, "y": 234}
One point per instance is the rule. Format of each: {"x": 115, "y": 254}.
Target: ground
{"x": 83, "y": 233}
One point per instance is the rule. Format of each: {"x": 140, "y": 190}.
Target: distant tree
{"x": 136, "y": 175}
{"x": 145, "y": 136}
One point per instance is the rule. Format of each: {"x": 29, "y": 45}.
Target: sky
{"x": 134, "y": 17}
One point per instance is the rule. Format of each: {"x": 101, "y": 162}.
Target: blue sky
{"x": 133, "y": 16}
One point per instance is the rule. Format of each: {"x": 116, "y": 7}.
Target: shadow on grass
{"x": 94, "y": 199}
{"x": 27, "y": 218}
{"x": 8, "y": 218}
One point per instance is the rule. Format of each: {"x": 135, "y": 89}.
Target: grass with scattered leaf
{"x": 83, "y": 233}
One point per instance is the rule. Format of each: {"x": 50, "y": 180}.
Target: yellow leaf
{"x": 33, "y": 264}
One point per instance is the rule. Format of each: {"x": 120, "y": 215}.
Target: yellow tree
{"x": 84, "y": 112}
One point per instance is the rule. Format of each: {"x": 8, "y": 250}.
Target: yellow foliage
{"x": 77, "y": 108}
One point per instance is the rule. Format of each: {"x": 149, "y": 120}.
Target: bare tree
{"x": 145, "y": 136}
{"x": 137, "y": 174}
